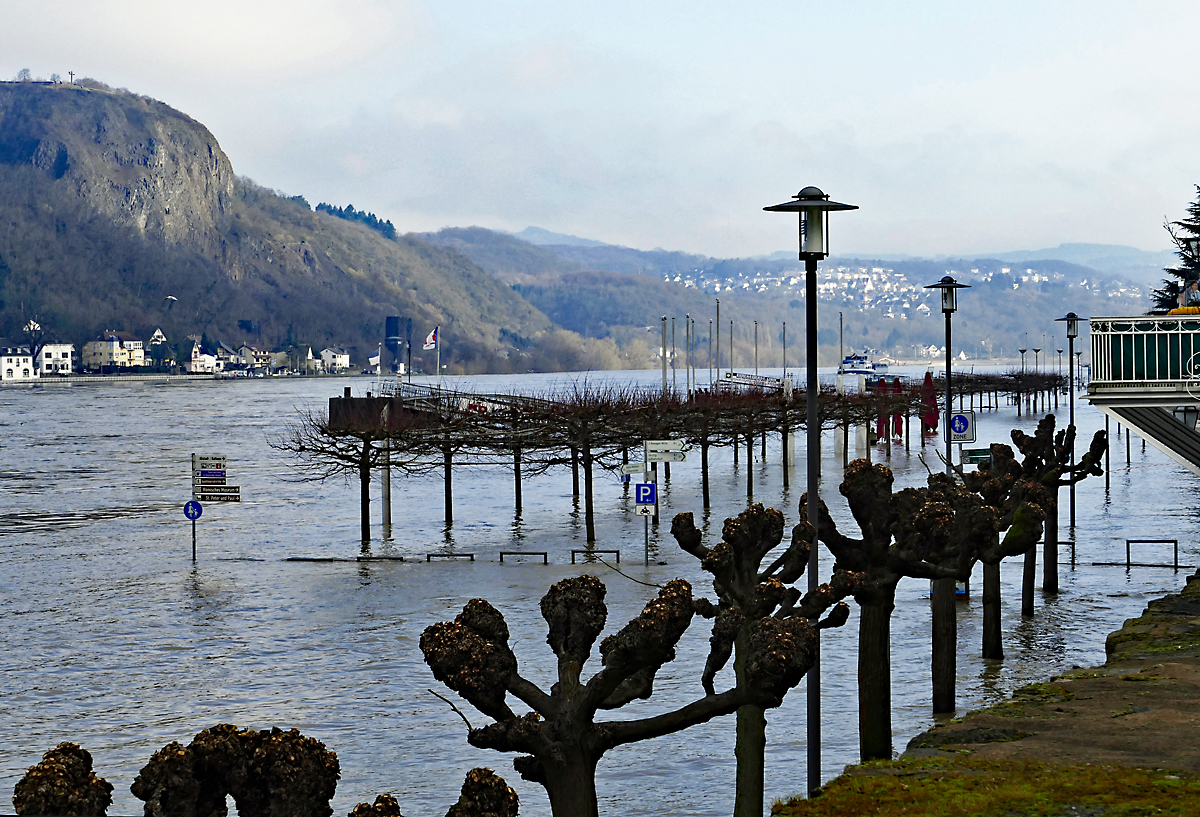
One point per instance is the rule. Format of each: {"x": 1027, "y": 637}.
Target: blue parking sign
{"x": 645, "y": 493}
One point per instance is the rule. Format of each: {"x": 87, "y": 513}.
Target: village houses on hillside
{"x": 114, "y": 351}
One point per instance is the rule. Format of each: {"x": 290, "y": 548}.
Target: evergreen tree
{"x": 1185, "y": 235}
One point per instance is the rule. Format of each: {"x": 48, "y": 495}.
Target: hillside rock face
{"x": 140, "y": 162}
{"x": 119, "y": 212}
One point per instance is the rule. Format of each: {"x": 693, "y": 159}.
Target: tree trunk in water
{"x": 575, "y": 473}
{"x": 517, "y": 477}
{"x": 1028, "y": 577}
{"x": 1050, "y": 549}
{"x": 589, "y": 516}
{"x": 783, "y": 444}
{"x": 751, "y": 743}
{"x": 875, "y": 682}
{"x": 945, "y": 645}
{"x": 447, "y": 464}
{"x": 364, "y": 491}
{"x": 704, "y": 470}
{"x": 993, "y": 639}
{"x": 749, "y": 466}
{"x": 571, "y": 785}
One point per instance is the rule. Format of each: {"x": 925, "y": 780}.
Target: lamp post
{"x": 1072, "y": 322}
{"x": 664, "y": 353}
{"x": 756, "y": 348}
{"x": 1022, "y": 351}
{"x": 944, "y": 625}
{"x": 718, "y": 338}
{"x": 812, "y": 206}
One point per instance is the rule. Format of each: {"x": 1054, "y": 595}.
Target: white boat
{"x": 862, "y": 364}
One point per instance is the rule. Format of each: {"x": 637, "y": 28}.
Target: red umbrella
{"x": 929, "y": 416}
{"x": 897, "y": 418}
{"x": 881, "y": 424}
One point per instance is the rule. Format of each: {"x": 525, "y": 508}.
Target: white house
{"x": 335, "y": 359}
{"x": 16, "y": 362}
{"x": 56, "y": 358}
{"x": 201, "y": 363}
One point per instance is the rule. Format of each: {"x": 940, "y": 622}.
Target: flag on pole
{"x": 431, "y": 340}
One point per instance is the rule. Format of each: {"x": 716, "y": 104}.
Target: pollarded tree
{"x": 747, "y": 594}
{"x": 1023, "y": 495}
{"x": 1019, "y": 503}
{"x": 559, "y": 737}
{"x": 1183, "y": 233}
{"x": 926, "y": 533}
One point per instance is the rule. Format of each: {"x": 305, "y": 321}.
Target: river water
{"x": 114, "y": 639}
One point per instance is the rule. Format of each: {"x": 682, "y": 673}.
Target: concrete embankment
{"x": 1099, "y": 741}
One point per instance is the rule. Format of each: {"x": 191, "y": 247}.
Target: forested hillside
{"x": 110, "y": 203}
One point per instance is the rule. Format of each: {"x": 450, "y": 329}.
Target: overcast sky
{"x": 957, "y": 127}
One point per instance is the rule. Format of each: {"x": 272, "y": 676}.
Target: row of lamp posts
{"x": 813, "y": 207}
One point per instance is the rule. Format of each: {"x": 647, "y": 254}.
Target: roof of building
{"x": 111, "y": 334}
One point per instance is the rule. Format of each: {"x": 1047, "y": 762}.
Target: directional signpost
{"x": 665, "y": 456}
{"x": 209, "y": 484}
{"x": 646, "y": 496}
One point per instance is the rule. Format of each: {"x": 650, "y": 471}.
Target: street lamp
{"x": 944, "y": 625}
{"x": 1022, "y": 351}
{"x": 1072, "y": 322}
{"x": 813, "y": 207}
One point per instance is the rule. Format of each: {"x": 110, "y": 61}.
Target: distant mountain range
{"x": 1139, "y": 266}
{"x": 605, "y": 291}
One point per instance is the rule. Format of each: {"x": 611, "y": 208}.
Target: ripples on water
{"x": 114, "y": 639}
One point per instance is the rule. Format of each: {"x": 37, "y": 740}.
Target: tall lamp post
{"x": 813, "y": 207}
{"x": 1072, "y": 322}
{"x": 944, "y": 625}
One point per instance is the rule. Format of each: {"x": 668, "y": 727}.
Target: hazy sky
{"x": 957, "y": 127}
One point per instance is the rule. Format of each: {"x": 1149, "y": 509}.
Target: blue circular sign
{"x": 959, "y": 423}
{"x": 192, "y": 510}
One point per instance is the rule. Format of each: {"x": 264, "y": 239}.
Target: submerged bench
{"x": 545, "y": 556}
{"x": 585, "y": 552}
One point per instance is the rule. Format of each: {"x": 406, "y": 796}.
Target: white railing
{"x": 1147, "y": 351}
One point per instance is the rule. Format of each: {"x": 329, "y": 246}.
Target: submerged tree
{"x": 748, "y": 594}
{"x": 926, "y": 533}
{"x": 559, "y": 737}
{"x": 1023, "y": 495}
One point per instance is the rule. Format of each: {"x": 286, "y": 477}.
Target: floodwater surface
{"x": 115, "y": 639}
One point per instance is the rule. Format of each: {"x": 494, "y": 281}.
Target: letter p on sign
{"x": 645, "y": 494}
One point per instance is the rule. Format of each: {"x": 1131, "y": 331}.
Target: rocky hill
{"x": 113, "y": 204}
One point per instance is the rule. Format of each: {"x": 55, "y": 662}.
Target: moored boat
{"x": 862, "y": 364}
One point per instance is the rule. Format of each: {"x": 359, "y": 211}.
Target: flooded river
{"x": 114, "y": 639}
